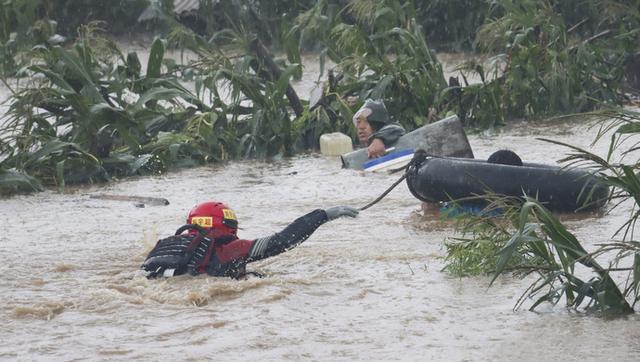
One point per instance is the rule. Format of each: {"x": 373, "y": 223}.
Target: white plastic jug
{"x": 335, "y": 144}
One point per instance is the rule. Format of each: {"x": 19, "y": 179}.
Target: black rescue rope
{"x": 384, "y": 193}
{"x": 418, "y": 158}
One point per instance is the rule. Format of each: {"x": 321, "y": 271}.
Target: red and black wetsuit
{"x": 226, "y": 258}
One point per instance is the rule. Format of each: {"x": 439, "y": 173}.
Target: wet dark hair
{"x": 505, "y": 157}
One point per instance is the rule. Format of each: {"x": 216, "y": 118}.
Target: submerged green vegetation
{"x": 84, "y": 111}
{"x": 531, "y": 241}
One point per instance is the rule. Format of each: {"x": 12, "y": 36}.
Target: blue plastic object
{"x": 388, "y": 158}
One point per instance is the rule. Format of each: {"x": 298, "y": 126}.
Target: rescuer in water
{"x": 208, "y": 243}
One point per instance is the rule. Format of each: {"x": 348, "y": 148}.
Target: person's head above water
{"x": 505, "y": 157}
{"x": 215, "y": 217}
{"x": 369, "y": 118}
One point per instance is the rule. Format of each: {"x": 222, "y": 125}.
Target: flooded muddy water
{"x": 368, "y": 288}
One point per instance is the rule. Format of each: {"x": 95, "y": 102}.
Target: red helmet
{"x": 214, "y": 216}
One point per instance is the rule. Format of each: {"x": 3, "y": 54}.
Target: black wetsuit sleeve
{"x": 294, "y": 234}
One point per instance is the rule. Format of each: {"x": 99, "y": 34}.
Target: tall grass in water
{"x": 530, "y": 240}
{"x": 90, "y": 111}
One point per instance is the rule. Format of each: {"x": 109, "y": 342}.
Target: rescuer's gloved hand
{"x": 337, "y": 211}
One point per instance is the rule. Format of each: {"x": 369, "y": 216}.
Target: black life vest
{"x": 179, "y": 253}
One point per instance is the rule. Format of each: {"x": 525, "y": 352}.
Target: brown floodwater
{"x": 369, "y": 288}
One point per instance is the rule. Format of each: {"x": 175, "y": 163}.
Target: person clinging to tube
{"x": 374, "y": 128}
{"x": 208, "y": 243}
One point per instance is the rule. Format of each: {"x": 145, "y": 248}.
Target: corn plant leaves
{"x": 118, "y": 119}
{"x": 78, "y": 69}
{"x": 603, "y": 290}
{"x": 629, "y": 128}
{"x": 14, "y": 181}
{"x": 154, "y": 65}
{"x": 140, "y": 162}
{"x": 636, "y": 271}
{"x": 54, "y": 147}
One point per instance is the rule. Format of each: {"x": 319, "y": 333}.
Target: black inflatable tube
{"x": 558, "y": 189}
